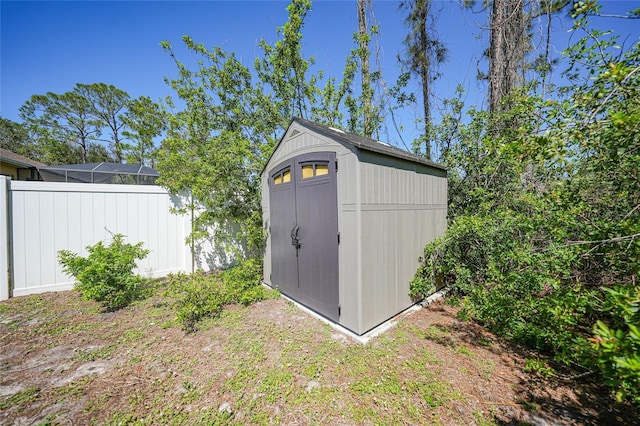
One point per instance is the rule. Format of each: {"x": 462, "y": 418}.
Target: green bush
{"x": 513, "y": 277}
{"x": 200, "y": 295}
{"x": 195, "y": 297}
{"x": 242, "y": 283}
{"x": 617, "y": 347}
{"x": 106, "y": 274}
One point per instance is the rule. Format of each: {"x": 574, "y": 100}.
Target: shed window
{"x": 307, "y": 171}
{"x": 282, "y": 176}
{"x": 322, "y": 169}
{"x": 310, "y": 170}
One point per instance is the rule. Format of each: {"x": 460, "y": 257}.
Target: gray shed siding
{"x": 388, "y": 210}
{"x": 403, "y": 206}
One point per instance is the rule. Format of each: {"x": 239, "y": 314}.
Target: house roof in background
{"x": 9, "y": 157}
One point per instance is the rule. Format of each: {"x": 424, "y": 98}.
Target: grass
{"x": 268, "y": 363}
{"x": 20, "y": 399}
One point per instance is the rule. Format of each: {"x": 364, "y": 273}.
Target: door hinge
{"x": 339, "y": 310}
{"x": 336, "y": 166}
{"x": 338, "y": 238}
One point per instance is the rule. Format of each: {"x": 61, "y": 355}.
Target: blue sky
{"x": 52, "y": 45}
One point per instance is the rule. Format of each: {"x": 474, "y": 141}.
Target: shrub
{"x": 200, "y": 295}
{"x": 514, "y": 279}
{"x": 242, "y": 282}
{"x": 617, "y": 346}
{"x": 195, "y": 297}
{"x": 106, "y": 274}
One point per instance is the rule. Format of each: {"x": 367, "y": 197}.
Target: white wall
{"x": 46, "y": 217}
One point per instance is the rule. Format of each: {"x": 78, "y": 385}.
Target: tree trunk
{"x": 364, "y": 65}
{"x": 506, "y": 50}
{"x": 422, "y": 11}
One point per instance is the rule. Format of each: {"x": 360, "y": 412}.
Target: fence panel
{"x": 45, "y": 218}
{"x": 4, "y": 238}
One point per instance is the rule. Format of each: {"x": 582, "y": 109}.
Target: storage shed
{"x": 347, "y": 219}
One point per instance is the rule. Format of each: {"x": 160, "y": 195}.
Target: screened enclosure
{"x": 114, "y": 173}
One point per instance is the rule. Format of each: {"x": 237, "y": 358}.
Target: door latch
{"x": 295, "y": 241}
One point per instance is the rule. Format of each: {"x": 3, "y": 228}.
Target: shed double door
{"x": 304, "y": 231}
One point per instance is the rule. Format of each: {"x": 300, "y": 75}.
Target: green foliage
{"x": 539, "y": 366}
{"x": 198, "y": 296}
{"x": 424, "y": 53}
{"x": 243, "y": 283}
{"x": 545, "y": 208}
{"x": 514, "y": 283}
{"x": 617, "y": 346}
{"x": 89, "y": 124}
{"x": 107, "y": 104}
{"x": 23, "y": 397}
{"x": 144, "y": 120}
{"x": 106, "y": 274}
{"x": 215, "y": 149}
{"x": 234, "y": 115}
{"x": 62, "y": 120}
{"x": 195, "y": 297}
{"x": 15, "y": 137}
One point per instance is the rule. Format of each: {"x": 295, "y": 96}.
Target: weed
{"x": 49, "y": 420}
{"x": 25, "y": 396}
{"x": 191, "y": 392}
{"x": 539, "y": 366}
{"x": 61, "y": 329}
{"x": 464, "y": 314}
{"x": 167, "y": 324}
{"x": 135, "y": 359}
{"x": 97, "y": 405}
{"x": 482, "y": 341}
{"x": 532, "y": 407}
{"x": 92, "y": 355}
{"x": 464, "y": 351}
{"x": 277, "y": 383}
{"x": 70, "y": 391}
{"x": 481, "y": 420}
{"x": 130, "y": 336}
{"x": 487, "y": 367}
{"x": 436, "y": 333}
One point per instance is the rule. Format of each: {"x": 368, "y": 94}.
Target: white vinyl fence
{"x": 38, "y": 219}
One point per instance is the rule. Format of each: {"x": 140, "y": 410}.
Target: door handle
{"x": 295, "y": 241}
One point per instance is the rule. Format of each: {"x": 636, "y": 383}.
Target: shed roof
{"x": 363, "y": 142}
{"x": 9, "y": 157}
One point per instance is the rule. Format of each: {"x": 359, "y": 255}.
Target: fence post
{"x": 5, "y": 242}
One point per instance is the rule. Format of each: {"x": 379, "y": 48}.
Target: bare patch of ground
{"x": 64, "y": 361}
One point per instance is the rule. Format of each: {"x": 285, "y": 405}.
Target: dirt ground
{"x": 64, "y": 361}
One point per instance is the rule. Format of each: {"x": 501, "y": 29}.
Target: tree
{"x": 283, "y": 69}
{"x": 107, "y": 106}
{"x": 214, "y": 149}
{"x": 508, "y": 45}
{"x": 145, "y": 120}
{"x": 424, "y": 52}
{"x": 511, "y": 44}
{"x": 545, "y": 239}
{"x": 364, "y": 53}
{"x": 56, "y": 120}
{"x": 15, "y": 138}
